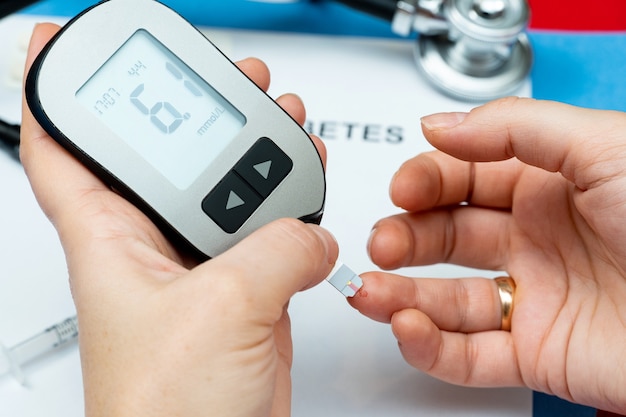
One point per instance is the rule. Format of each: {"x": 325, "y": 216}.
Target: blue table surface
{"x": 584, "y": 69}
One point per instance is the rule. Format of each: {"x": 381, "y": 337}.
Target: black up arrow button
{"x": 264, "y": 166}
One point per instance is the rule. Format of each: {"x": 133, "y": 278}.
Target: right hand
{"x": 534, "y": 188}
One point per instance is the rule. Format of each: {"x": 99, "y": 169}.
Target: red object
{"x": 578, "y": 15}
{"x": 607, "y": 414}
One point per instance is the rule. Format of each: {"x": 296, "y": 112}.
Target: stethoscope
{"x": 469, "y": 49}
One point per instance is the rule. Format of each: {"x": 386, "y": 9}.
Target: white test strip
{"x": 345, "y": 280}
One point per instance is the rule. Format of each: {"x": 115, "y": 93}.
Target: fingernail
{"x": 443, "y": 120}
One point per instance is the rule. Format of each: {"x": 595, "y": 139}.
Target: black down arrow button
{"x": 231, "y": 203}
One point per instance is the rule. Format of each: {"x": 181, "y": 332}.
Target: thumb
{"x": 275, "y": 262}
{"x": 549, "y": 135}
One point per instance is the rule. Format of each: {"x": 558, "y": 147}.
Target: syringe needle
{"x": 12, "y": 359}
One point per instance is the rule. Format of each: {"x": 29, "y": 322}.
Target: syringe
{"x": 12, "y": 359}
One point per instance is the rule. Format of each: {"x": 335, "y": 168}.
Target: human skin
{"x": 533, "y": 188}
{"x": 159, "y": 334}
{"x": 536, "y": 189}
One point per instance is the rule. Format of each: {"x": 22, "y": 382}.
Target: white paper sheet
{"x": 364, "y": 98}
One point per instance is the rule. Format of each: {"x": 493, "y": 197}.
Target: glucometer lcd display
{"x": 146, "y": 102}
{"x": 161, "y": 108}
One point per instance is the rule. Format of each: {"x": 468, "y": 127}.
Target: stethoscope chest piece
{"x": 483, "y": 55}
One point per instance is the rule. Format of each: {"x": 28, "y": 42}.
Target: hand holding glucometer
{"x": 146, "y": 102}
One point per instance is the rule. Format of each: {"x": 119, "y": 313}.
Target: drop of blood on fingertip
{"x": 361, "y": 293}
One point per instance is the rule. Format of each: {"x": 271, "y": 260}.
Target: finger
{"x": 579, "y": 143}
{"x": 444, "y": 327}
{"x": 268, "y": 267}
{"x": 435, "y": 179}
{"x": 484, "y": 359}
{"x": 463, "y": 235}
{"x": 293, "y": 105}
{"x": 321, "y": 149}
{"x": 465, "y": 305}
{"x": 256, "y": 70}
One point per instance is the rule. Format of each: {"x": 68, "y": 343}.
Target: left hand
{"x": 160, "y": 335}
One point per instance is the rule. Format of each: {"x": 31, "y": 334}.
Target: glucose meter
{"x": 152, "y": 107}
